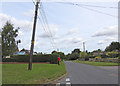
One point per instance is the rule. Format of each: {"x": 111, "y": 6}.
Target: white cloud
{"x": 69, "y": 41}
{"x": 29, "y": 13}
{"x": 25, "y": 29}
{"x": 108, "y": 39}
{"x": 107, "y": 31}
{"x": 51, "y": 32}
{"x": 23, "y": 24}
{"x": 73, "y": 31}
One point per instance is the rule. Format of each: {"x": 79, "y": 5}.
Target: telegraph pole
{"x": 33, "y": 36}
{"x": 83, "y": 46}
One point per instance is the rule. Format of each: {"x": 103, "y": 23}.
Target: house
{"x": 22, "y": 52}
{"x": 26, "y": 52}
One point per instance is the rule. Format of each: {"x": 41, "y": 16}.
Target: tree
{"x": 83, "y": 54}
{"x": 113, "y": 46}
{"x": 61, "y": 54}
{"x": 76, "y": 51}
{"x": 72, "y": 56}
{"x": 53, "y": 52}
{"x": 97, "y": 51}
{"x": 112, "y": 54}
{"x": 8, "y": 39}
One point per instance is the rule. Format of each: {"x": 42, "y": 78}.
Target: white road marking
{"x": 68, "y": 83}
{"x": 67, "y": 79}
{"x": 58, "y": 84}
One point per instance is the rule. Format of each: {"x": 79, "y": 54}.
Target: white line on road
{"x": 68, "y": 83}
{"x": 67, "y": 79}
{"x": 58, "y": 84}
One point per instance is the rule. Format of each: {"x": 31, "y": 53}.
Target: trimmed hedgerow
{"x": 36, "y": 58}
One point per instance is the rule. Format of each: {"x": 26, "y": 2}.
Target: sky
{"x": 66, "y": 26}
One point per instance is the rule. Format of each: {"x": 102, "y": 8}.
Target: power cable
{"x": 44, "y": 19}
{"x": 96, "y": 6}
{"x": 46, "y": 28}
{"x": 92, "y": 9}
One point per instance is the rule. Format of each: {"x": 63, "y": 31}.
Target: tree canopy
{"x": 61, "y": 54}
{"x": 76, "y": 51}
{"x": 113, "y": 46}
{"x": 8, "y": 35}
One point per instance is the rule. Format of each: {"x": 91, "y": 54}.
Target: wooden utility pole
{"x": 83, "y": 46}
{"x": 33, "y": 36}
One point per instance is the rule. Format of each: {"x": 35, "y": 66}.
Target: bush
{"x": 98, "y": 57}
{"x": 85, "y": 56}
{"x": 36, "y": 58}
{"x": 104, "y": 56}
{"x": 112, "y": 54}
{"x": 73, "y": 56}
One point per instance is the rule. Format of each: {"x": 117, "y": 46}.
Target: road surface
{"x": 87, "y": 74}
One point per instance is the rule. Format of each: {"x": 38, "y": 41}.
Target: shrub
{"x": 36, "y": 58}
{"x": 112, "y": 54}
{"x": 104, "y": 56}
{"x": 98, "y": 57}
{"x": 85, "y": 55}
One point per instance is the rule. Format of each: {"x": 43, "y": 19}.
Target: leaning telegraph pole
{"x": 33, "y": 36}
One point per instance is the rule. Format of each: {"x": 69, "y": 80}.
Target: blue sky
{"x": 70, "y": 25}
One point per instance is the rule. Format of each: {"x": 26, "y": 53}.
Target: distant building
{"x": 24, "y": 52}
{"x": 35, "y": 53}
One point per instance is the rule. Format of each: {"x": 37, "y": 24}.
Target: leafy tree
{"x": 61, "y": 54}
{"x": 76, "y": 51}
{"x": 72, "y": 56}
{"x": 112, "y": 54}
{"x": 113, "y": 46}
{"x": 8, "y": 39}
{"x": 83, "y": 54}
{"x": 97, "y": 51}
{"x": 54, "y": 52}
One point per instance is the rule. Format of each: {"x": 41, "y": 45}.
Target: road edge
{"x": 58, "y": 79}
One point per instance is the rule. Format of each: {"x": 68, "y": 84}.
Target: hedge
{"x": 36, "y": 58}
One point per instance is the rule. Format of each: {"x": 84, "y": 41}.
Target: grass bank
{"x": 97, "y": 63}
{"x": 40, "y": 73}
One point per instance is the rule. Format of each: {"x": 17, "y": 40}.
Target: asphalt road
{"x": 87, "y": 74}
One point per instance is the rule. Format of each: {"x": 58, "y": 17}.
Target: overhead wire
{"x": 46, "y": 31}
{"x": 90, "y": 9}
{"x": 44, "y": 18}
{"x": 96, "y": 6}
{"x": 44, "y": 24}
{"x": 33, "y": 2}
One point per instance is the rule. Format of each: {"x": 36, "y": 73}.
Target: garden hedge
{"x": 36, "y": 58}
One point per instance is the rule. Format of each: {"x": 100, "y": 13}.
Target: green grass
{"x": 97, "y": 63}
{"x": 41, "y": 73}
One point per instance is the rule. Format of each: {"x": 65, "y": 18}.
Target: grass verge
{"x": 97, "y": 63}
{"x": 40, "y": 73}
